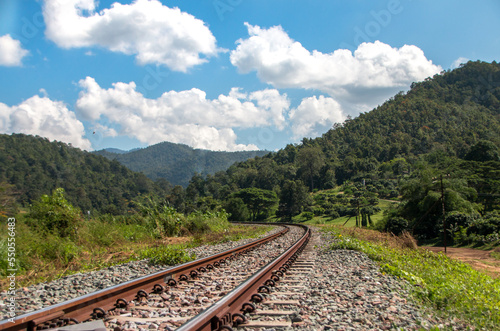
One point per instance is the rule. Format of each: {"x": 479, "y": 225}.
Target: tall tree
{"x": 293, "y": 198}
{"x": 311, "y": 160}
{"x": 257, "y": 200}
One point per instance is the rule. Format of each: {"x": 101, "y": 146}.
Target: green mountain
{"x": 35, "y": 166}
{"x": 446, "y": 125}
{"x": 177, "y": 163}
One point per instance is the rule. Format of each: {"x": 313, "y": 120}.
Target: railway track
{"x": 213, "y": 293}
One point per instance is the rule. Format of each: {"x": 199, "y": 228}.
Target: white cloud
{"x": 182, "y": 117}
{"x": 314, "y": 116}
{"x": 11, "y": 51}
{"x": 373, "y": 73}
{"x": 153, "y": 32}
{"x": 46, "y": 118}
{"x": 458, "y": 62}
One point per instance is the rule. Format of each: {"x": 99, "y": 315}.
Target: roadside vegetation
{"x": 54, "y": 239}
{"x": 448, "y": 287}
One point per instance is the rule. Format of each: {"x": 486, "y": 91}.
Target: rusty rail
{"x": 228, "y": 311}
{"x": 96, "y": 304}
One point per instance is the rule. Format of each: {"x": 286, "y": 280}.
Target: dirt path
{"x": 479, "y": 260}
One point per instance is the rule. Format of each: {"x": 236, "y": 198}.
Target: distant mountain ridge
{"x": 177, "y": 163}
{"x": 35, "y": 166}
{"x": 119, "y": 151}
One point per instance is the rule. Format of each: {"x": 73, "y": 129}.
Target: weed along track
{"x": 170, "y": 298}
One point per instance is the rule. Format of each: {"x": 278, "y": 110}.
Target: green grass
{"x": 382, "y": 204}
{"x": 450, "y": 287}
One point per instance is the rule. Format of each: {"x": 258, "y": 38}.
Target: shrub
{"x": 396, "y": 225}
{"x": 167, "y": 255}
{"x": 162, "y": 219}
{"x": 489, "y": 224}
{"x": 237, "y": 209}
{"x": 97, "y": 232}
{"x": 308, "y": 215}
{"x": 199, "y": 222}
{"x": 55, "y": 214}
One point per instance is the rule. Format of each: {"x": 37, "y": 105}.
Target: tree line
{"x": 445, "y": 125}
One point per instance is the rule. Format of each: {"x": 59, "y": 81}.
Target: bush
{"x": 308, "y": 215}
{"x": 166, "y": 255}
{"x": 237, "y": 209}
{"x": 318, "y": 211}
{"x": 162, "y": 219}
{"x": 55, "y": 214}
{"x": 396, "y": 225}
{"x": 97, "y": 232}
{"x": 199, "y": 222}
{"x": 489, "y": 224}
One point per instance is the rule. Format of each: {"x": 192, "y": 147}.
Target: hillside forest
{"x": 432, "y": 154}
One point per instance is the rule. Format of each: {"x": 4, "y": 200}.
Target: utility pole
{"x": 358, "y": 221}
{"x": 444, "y": 215}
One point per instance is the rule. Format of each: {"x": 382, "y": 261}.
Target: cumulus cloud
{"x": 153, "y": 32}
{"x": 314, "y": 116}
{"x": 11, "y": 51}
{"x": 46, "y": 118}
{"x": 374, "y": 69}
{"x": 182, "y": 116}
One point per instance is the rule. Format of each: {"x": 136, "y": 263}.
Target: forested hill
{"x": 33, "y": 166}
{"x": 448, "y": 113}
{"x": 442, "y": 116}
{"x": 177, "y": 163}
{"x": 447, "y": 124}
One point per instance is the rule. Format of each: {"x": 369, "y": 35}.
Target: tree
{"x": 177, "y": 198}
{"x": 237, "y": 210}
{"x": 293, "y": 198}
{"x": 258, "y": 201}
{"x": 311, "y": 160}
{"x": 7, "y": 200}
{"x": 483, "y": 151}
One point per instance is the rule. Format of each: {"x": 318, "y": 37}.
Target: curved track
{"x": 158, "y": 288}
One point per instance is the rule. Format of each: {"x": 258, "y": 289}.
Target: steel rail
{"x": 228, "y": 311}
{"x": 95, "y": 305}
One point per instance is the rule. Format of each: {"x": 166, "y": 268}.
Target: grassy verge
{"x": 347, "y": 221}
{"x": 450, "y": 287}
{"x": 100, "y": 243}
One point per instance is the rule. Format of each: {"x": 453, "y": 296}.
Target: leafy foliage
{"x": 163, "y": 220}
{"x": 293, "y": 198}
{"x": 258, "y": 201}
{"x": 166, "y": 255}
{"x": 54, "y": 214}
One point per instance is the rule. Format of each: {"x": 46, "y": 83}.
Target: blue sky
{"x": 221, "y": 74}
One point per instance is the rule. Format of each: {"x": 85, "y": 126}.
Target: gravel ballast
{"x": 39, "y": 296}
{"x": 345, "y": 291}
